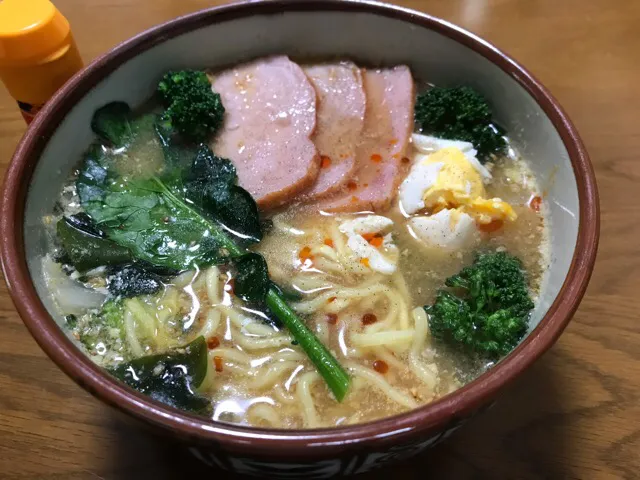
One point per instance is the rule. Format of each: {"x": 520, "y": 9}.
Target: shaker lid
{"x": 30, "y": 31}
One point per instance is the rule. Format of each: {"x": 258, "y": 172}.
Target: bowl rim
{"x": 298, "y": 443}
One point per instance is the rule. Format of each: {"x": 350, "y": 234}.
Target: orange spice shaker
{"x": 37, "y": 52}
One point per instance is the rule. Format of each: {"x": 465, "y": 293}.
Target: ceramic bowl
{"x": 371, "y": 34}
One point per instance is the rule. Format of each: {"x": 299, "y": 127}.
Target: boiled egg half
{"x": 445, "y": 194}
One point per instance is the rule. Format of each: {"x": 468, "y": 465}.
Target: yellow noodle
{"x": 256, "y": 343}
{"x": 211, "y": 323}
{"x": 322, "y": 331}
{"x": 325, "y": 251}
{"x": 236, "y": 369}
{"x": 199, "y": 281}
{"x": 231, "y": 354}
{"x": 383, "y": 353}
{"x": 421, "y": 329}
{"x": 303, "y": 392}
{"x": 130, "y": 333}
{"x": 212, "y": 277}
{"x": 328, "y": 266}
{"x": 310, "y": 306}
{"x": 335, "y": 306}
{"x": 391, "y": 338}
{"x": 144, "y": 321}
{"x": 255, "y": 328}
{"x": 428, "y": 374}
{"x": 184, "y": 279}
{"x": 267, "y": 377}
{"x": 381, "y": 384}
{"x": 283, "y": 396}
{"x": 265, "y": 412}
{"x": 289, "y": 354}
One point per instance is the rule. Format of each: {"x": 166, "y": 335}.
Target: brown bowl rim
{"x": 317, "y": 442}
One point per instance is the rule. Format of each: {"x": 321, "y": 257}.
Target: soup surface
{"x": 359, "y": 278}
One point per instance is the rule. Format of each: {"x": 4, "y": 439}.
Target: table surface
{"x": 574, "y": 414}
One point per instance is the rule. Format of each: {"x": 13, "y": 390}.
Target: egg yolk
{"x": 457, "y": 182}
{"x": 459, "y": 187}
{"x": 487, "y": 210}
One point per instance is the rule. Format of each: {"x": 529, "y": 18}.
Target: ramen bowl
{"x": 371, "y": 34}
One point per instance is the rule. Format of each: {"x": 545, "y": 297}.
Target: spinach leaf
{"x": 176, "y": 218}
{"x": 85, "y": 250}
{"x": 211, "y": 184}
{"x": 132, "y": 281}
{"x": 252, "y": 281}
{"x": 83, "y": 222}
{"x": 170, "y": 378}
{"x": 158, "y": 270}
{"x": 209, "y": 169}
{"x": 148, "y": 216}
{"x": 177, "y": 152}
{"x": 113, "y": 124}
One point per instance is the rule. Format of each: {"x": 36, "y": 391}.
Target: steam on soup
{"x": 298, "y": 246}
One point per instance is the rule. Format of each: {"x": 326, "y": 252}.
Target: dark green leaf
{"x": 209, "y": 168}
{"x": 148, "y": 217}
{"x": 252, "y": 278}
{"x": 86, "y": 251}
{"x": 170, "y": 378}
{"x": 177, "y": 153}
{"x": 132, "y": 281}
{"x": 83, "y": 222}
{"x": 112, "y": 123}
{"x": 71, "y": 321}
{"x": 211, "y": 184}
{"x": 158, "y": 270}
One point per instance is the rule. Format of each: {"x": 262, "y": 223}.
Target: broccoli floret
{"x": 105, "y": 327}
{"x": 191, "y": 107}
{"x": 112, "y": 314}
{"x": 486, "y": 310}
{"x": 460, "y": 113}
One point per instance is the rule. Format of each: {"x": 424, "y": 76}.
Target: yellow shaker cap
{"x": 30, "y": 31}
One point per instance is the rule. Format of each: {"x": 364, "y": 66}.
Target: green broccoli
{"x": 192, "y": 108}
{"x": 105, "y": 327}
{"x": 460, "y": 113}
{"x": 487, "y": 310}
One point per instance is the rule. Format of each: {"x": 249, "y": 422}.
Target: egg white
{"x": 444, "y": 230}
{"x": 427, "y": 144}
{"x": 354, "y": 229}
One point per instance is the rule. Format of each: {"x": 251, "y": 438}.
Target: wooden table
{"x": 575, "y": 414}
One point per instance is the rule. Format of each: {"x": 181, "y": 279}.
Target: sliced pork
{"x": 340, "y": 119}
{"x": 380, "y": 158}
{"x": 270, "y": 119}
